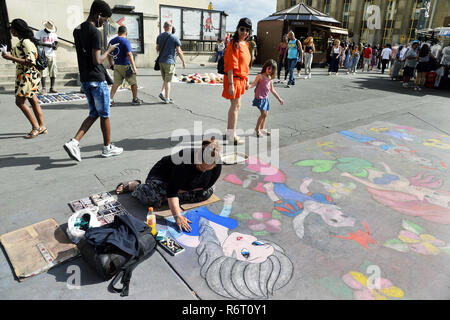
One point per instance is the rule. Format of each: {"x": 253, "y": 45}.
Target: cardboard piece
{"x": 165, "y": 212}
{"x": 37, "y": 248}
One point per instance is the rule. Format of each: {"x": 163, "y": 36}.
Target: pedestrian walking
{"x": 398, "y": 64}
{"x": 336, "y": 52}
{"x": 282, "y": 47}
{"x": 424, "y": 65}
{"x": 122, "y": 62}
{"x": 220, "y": 48}
{"x": 93, "y": 75}
{"x": 385, "y": 57}
{"x": 24, "y": 55}
{"x": 367, "y": 56}
{"x": 264, "y": 86}
{"x": 168, "y": 46}
{"x": 309, "y": 54}
{"x": 235, "y": 82}
{"x": 291, "y": 56}
{"x": 252, "y": 47}
{"x": 356, "y": 54}
{"x": 48, "y": 39}
{"x": 373, "y": 61}
{"x": 342, "y": 58}
{"x": 410, "y": 63}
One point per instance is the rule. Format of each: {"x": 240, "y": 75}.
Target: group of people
{"x": 291, "y": 54}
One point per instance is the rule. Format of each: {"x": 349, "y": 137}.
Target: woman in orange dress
{"x": 236, "y": 66}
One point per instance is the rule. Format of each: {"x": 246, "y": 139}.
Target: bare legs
{"x": 166, "y": 89}
{"x": 105, "y": 125}
{"x": 115, "y": 87}
{"x": 260, "y": 124}
{"x": 233, "y": 113}
{"x": 36, "y": 121}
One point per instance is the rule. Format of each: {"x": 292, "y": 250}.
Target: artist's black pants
{"x": 384, "y": 63}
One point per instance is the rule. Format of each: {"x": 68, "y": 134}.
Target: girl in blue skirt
{"x": 264, "y": 85}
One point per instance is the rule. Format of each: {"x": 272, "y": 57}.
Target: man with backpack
{"x": 294, "y": 51}
{"x": 166, "y": 46}
{"x": 123, "y": 65}
{"x": 49, "y": 41}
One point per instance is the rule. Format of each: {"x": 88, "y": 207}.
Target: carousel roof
{"x": 301, "y": 12}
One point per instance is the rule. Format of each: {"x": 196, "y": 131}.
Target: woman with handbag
{"x": 237, "y": 60}
{"x": 28, "y": 77}
{"x": 425, "y": 65}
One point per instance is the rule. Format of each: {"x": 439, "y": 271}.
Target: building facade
{"x": 67, "y": 14}
{"x": 397, "y": 23}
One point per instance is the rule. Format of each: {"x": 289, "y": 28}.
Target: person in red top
{"x": 236, "y": 66}
{"x": 367, "y": 57}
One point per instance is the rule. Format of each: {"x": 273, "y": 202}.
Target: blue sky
{"x": 237, "y": 9}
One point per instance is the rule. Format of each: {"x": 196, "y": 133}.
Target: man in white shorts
{"x": 49, "y": 40}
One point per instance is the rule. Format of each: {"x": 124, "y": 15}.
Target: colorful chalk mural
{"x": 413, "y": 238}
{"x": 234, "y": 265}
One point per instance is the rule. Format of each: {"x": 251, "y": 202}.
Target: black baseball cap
{"x": 245, "y": 22}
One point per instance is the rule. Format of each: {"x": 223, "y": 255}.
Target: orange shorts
{"x": 239, "y": 88}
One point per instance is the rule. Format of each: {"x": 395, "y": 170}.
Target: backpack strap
{"x": 125, "y": 275}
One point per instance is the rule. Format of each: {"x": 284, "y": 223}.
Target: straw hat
{"x": 49, "y": 25}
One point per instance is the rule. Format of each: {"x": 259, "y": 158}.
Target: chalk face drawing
{"x": 234, "y": 265}
{"x": 416, "y": 196}
{"x": 413, "y": 238}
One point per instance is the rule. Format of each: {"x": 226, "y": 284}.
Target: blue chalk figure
{"x": 365, "y": 139}
{"x": 190, "y": 239}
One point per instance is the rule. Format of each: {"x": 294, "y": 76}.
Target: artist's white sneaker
{"x": 111, "y": 151}
{"x": 73, "y": 150}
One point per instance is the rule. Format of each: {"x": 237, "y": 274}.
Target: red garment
{"x": 237, "y": 60}
{"x": 368, "y": 53}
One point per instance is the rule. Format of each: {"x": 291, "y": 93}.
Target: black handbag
{"x": 157, "y": 67}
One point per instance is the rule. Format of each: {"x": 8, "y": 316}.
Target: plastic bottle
{"x": 151, "y": 220}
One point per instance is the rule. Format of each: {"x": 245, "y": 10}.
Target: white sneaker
{"x": 309, "y": 76}
{"x": 405, "y": 85}
{"x": 73, "y": 150}
{"x": 111, "y": 150}
{"x": 168, "y": 101}
{"x": 306, "y": 77}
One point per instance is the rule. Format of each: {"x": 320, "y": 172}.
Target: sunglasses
{"x": 241, "y": 29}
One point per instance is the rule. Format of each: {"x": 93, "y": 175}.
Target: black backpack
{"x": 109, "y": 261}
{"x": 41, "y": 60}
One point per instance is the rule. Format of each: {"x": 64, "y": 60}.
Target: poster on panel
{"x": 172, "y": 15}
{"x": 192, "y": 24}
{"x": 133, "y": 22}
{"x": 211, "y": 25}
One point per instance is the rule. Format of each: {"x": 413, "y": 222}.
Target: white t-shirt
{"x": 221, "y": 47}
{"x": 386, "y": 53}
{"x": 47, "y": 38}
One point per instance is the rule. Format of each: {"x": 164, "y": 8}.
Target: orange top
{"x": 237, "y": 59}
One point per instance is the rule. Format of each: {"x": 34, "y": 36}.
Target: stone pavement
{"x": 358, "y": 138}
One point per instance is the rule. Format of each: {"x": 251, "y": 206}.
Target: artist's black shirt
{"x": 184, "y": 176}
{"x": 87, "y": 37}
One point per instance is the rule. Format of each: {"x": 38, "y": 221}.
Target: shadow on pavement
{"x": 43, "y": 163}
{"x": 385, "y": 84}
{"x": 137, "y": 144}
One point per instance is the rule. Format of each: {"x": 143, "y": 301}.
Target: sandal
{"x": 43, "y": 130}
{"x": 126, "y": 186}
{"x": 258, "y": 134}
{"x": 33, "y": 134}
{"x": 266, "y": 132}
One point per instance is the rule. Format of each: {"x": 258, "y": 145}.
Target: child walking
{"x": 264, "y": 85}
